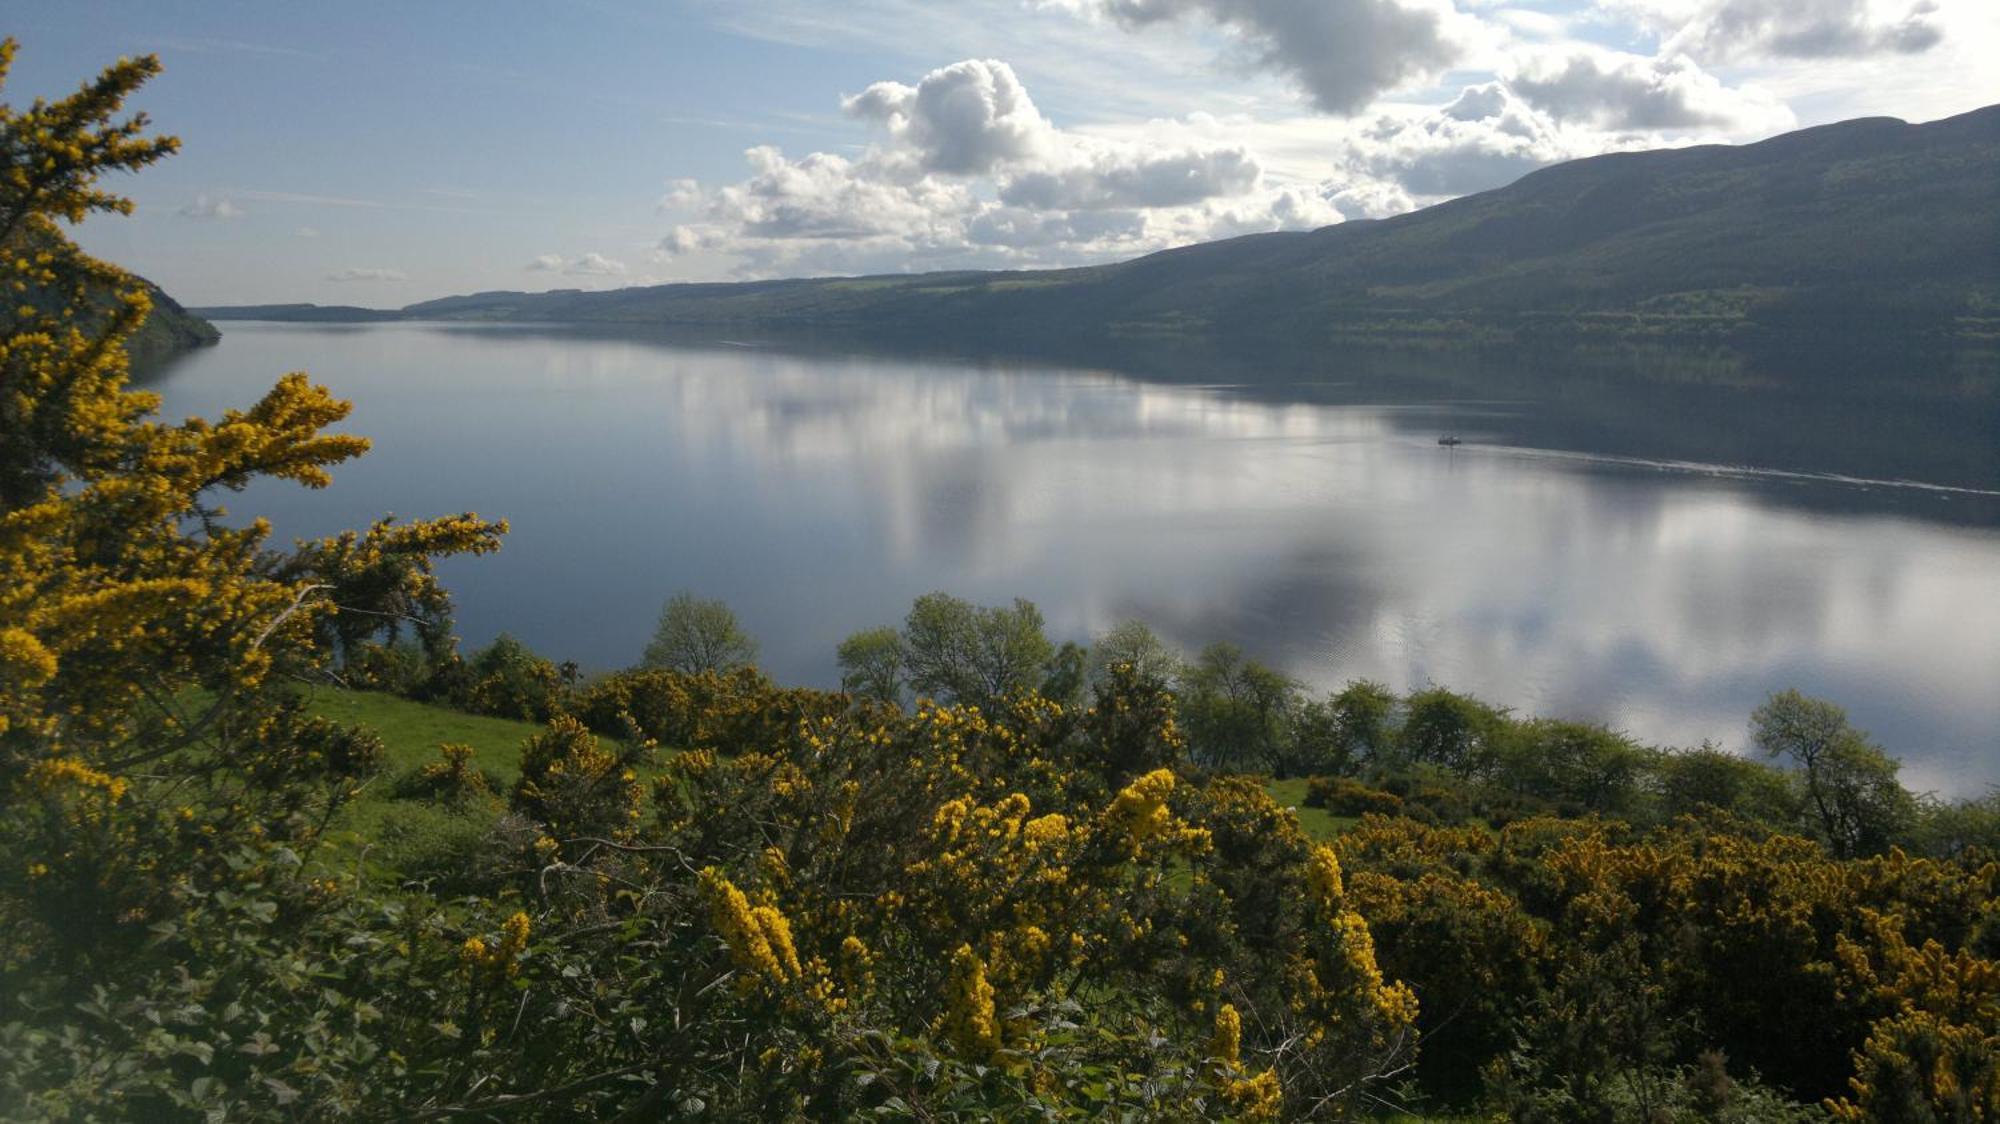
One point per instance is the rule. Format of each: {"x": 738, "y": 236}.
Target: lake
{"x": 1319, "y": 524}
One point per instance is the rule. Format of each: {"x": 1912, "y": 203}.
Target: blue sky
{"x": 384, "y": 153}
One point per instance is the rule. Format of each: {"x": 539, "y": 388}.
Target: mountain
{"x": 1869, "y": 225}
{"x": 168, "y": 331}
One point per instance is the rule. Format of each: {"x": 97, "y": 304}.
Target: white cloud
{"x": 596, "y": 265}
{"x": 204, "y": 207}
{"x": 1531, "y": 24}
{"x": 680, "y": 194}
{"x": 1620, "y": 91}
{"x": 972, "y": 116}
{"x": 968, "y": 169}
{"x": 1115, "y": 178}
{"x": 1739, "y": 30}
{"x": 589, "y": 265}
{"x": 1342, "y": 54}
{"x": 356, "y": 273}
{"x": 306, "y": 232}
{"x": 970, "y": 172}
{"x": 827, "y": 196}
{"x": 1485, "y": 138}
{"x": 1022, "y": 228}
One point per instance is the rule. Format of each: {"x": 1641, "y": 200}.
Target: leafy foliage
{"x": 697, "y": 635}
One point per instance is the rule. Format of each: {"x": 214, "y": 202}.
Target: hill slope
{"x": 168, "y": 331}
{"x": 1871, "y": 217}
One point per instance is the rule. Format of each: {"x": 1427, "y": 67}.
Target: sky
{"x": 385, "y": 153}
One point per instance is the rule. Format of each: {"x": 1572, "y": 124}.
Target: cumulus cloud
{"x": 680, "y": 194}
{"x": 546, "y": 263}
{"x": 1629, "y": 92}
{"x": 1737, "y": 30}
{"x": 1485, "y": 138}
{"x": 969, "y": 117}
{"x": 966, "y": 171}
{"x": 826, "y": 196}
{"x": 1341, "y": 53}
{"x": 357, "y": 273}
{"x": 1111, "y": 179}
{"x": 204, "y": 207}
{"x": 306, "y": 232}
{"x": 969, "y": 172}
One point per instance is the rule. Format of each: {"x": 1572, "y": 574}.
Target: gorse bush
{"x": 1623, "y": 955}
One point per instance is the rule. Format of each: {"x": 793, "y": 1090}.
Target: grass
{"x": 412, "y": 731}
{"x": 388, "y": 836}
{"x": 1318, "y": 822}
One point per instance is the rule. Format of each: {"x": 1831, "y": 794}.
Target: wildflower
{"x": 969, "y": 1021}
{"x": 1140, "y": 809}
{"x": 759, "y": 939}
{"x": 1227, "y": 1044}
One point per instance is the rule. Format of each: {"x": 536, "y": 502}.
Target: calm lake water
{"x": 1327, "y": 534}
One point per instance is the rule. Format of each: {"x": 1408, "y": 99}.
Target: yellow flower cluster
{"x": 1140, "y": 810}
{"x": 1254, "y": 1098}
{"x": 500, "y": 958}
{"x": 62, "y": 774}
{"x": 1323, "y": 876}
{"x": 1226, "y": 1045}
{"x": 969, "y": 1022}
{"x": 759, "y": 937}
{"x": 1344, "y": 968}
{"x": 456, "y": 773}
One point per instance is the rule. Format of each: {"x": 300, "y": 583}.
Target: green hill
{"x": 1869, "y": 226}
{"x": 168, "y": 331}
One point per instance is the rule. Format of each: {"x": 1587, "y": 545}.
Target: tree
{"x": 1238, "y": 711}
{"x": 1132, "y": 642}
{"x": 161, "y": 785}
{"x": 871, "y": 664}
{"x": 1576, "y": 766}
{"x": 695, "y": 635}
{"x": 1851, "y": 792}
{"x": 1455, "y": 731}
{"x": 1065, "y": 674}
{"x": 960, "y": 652}
{"x": 122, "y": 586}
{"x": 1354, "y": 725}
{"x": 1710, "y": 779}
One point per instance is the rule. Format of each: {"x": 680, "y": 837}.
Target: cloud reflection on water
{"x": 819, "y": 495}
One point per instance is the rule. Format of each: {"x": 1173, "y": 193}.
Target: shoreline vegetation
{"x": 1062, "y": 890}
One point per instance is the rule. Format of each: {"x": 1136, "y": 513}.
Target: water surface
{"x": 1325, "y": 532}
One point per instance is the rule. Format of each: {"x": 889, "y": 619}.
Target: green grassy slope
{"x": 388, "y": 834}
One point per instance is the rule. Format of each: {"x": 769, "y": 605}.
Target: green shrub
{"x": 1345, "y": 796}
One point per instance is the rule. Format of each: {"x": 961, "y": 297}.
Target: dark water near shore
{"x": 1571, "y": 559}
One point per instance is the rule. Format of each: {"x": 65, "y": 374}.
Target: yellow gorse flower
{"x": 1140, "y": 809}
{"x": 969, "y": 1022}
{"x": 1227, "y": 1043}
{"x": 501, "y": 958}
{"x": 759, "y": 937}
